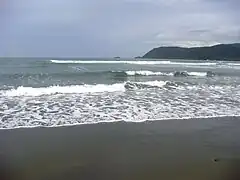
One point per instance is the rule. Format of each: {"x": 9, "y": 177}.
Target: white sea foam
{"x": 30, "y": 91}
{"x": 197, "y": 73}
{"x": 194, "y": 64}
{"x": 108, "y": 62}
{"x": 154, "y": 83}
{"x": 144, "y": 73}
{"x": 129, "y": 62}
{"x": 74, "y": 89}
{"x": 233, "y": 64}
{"x": 132, "y": 106}
{"x": 151, "y": 73}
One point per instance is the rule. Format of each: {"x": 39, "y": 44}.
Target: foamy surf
{"x": 78, "y": 89}
{"x": 108, "y": 62}
{"x": 131, "y": 106}
{"x": 151, "y": 73}
{"x": 233, "y": 64}
{"x": 145, "y": 85}
{"x": 154, "y": 83}
{"x": 194, "y": 64}
{"x": 129, "y": 62}
{"x": 56, "y": 93}
{"x": 74, "y": 89}
{"x": 202, "y": 74}
{"x": 145, "y": 73}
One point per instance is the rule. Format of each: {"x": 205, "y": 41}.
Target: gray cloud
{"x": 113, "y": 27}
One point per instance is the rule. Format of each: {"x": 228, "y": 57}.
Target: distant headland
{"x": 216, "y": 52}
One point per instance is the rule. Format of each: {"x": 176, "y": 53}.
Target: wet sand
{"x": 174, "y": 149}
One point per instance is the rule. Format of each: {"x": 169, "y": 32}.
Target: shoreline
{"x": 123, "y": 121}
{"x": 175, "y": 149}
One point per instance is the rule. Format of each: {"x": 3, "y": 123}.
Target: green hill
{"x": 217, "y": 52}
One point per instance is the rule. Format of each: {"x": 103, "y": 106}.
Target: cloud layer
{"x": 113, "y": 27}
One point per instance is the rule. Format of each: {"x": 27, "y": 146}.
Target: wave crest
{"x": 74, "y": 89}
{"x": 200, "y": 74}
{"x": 145, "y": 73}
{"x": 79, "y": 89}
{"x": 130, "y": 62}
{"x": 144, "y": 85}
{"x": 108, "y": 62}
{"x": 176, "y": 74}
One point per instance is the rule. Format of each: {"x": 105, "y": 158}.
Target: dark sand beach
{"x": 173, "y": 149}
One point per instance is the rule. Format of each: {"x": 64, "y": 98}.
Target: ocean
{"x": 60, "y": 92}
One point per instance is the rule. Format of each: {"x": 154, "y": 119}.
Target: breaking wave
{"x": 129, "y": 62}
{"x": 123, "y": 105}
{"x": 74, "y": 89}
{"x": 108, "y": 62}
{"x": 151, "y": 73}
{"x": 147, "y": 73}
{"x": 79, "y": 89}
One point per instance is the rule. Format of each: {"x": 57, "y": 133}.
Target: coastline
{"x": 171, "y": 149}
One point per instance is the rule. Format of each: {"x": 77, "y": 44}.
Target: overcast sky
{"x": 106, "y": 28}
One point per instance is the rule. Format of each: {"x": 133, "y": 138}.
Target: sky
{"x": 108, "y": 28}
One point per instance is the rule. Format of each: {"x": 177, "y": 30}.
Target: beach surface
{"x": 172, "y": 149}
